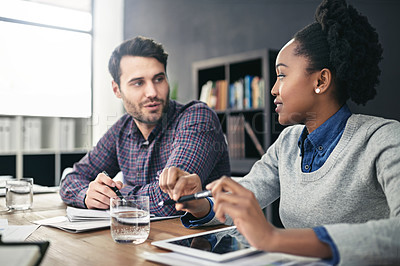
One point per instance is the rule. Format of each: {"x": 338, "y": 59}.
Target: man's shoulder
{"x": 193, "y": 106}
{"x": 195, "y": 112}
{"x": 123, "y": 122}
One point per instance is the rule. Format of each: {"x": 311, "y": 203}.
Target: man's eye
{"x": 280, "y": 76}
{"x": 159, "y": 79}
{"x": 138, "y": 83}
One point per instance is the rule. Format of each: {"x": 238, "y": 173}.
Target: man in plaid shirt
{"x": 156, "y": 133}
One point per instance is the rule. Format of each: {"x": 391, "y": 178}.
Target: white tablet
{"x": 217, "y": 245}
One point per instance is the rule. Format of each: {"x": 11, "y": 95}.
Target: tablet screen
{"x": 216, "y": 245}
{"x": 216, "y": 242}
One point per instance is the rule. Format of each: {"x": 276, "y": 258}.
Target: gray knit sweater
{"x": 355, "y": 194}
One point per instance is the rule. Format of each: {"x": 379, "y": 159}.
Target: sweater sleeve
{"x": 263, "y": 178}
{"x": 376, "y": 242}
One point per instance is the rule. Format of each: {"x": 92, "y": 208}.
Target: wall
{"x": 193, "y": 30}
{"x": 107, "y": 34}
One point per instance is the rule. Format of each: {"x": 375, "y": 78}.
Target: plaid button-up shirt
{"x": 188, "y": 136}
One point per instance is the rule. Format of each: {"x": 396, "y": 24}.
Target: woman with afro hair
{"x": 337, "y": 174}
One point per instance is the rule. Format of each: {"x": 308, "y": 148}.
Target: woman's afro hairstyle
{"x": 342, "y": 40}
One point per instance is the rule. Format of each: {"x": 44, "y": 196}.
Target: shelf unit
{"x": 46, "y": 161}
{"x": 263, "y": 120}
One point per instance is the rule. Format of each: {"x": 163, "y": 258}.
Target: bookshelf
{"x": 41, "y": 147}
{"x": 234, "y": 110}
{"x": 261, "y": 118}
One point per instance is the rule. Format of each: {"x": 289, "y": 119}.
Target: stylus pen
{"x": 115, "y": 189}
{"x": 198, "y": 195}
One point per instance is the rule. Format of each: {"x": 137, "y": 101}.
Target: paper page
{"x": 79, "y": 214}
{"x": 3, "y": 224}
{"x": 264, "y": 258}
{"x": 17, "y": 233}
{"x": 62, "y": 222}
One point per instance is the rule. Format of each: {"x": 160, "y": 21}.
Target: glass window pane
{"x": 44, "y": 71}
{"x": 46, "y": 14}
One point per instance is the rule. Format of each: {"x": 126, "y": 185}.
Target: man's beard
{"x": 138, "y": 115}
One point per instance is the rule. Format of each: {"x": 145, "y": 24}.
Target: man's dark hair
{"x": 138, "y": 46}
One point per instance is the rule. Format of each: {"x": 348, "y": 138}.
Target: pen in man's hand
{"x": 198, "y": 195}
{"x": 115, "y": 189}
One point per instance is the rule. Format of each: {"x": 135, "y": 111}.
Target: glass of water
{"x": 19, "y": 194}
{"x": 130, "y": 219}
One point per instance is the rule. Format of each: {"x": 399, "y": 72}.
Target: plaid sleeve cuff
{"x": 80, "y": 199}
{"x": 323, "y": 236}
{"x": 188, "y": 220}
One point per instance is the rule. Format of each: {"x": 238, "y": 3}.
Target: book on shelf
{"x": 32, "y": 134}
{"x": 215, "y": 94}
{"x": 247, "y": 93}
{"x": 258, "y": 92}
{"x": 205, "y": 92}
{"x": 235, "y": 136}
{"x": 237, "y": 127}
{"x": 67, "y": 134}
{"x": 247, "y": 100}
{"x": 261, "y": 95}
{"x": 253, "y": 138}
{"x": 238, "y": 94}
{"x": 5, "y": 134}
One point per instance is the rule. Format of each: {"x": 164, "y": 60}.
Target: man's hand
{"x": 99, "y": 192}
{"x": 176, "y": 183}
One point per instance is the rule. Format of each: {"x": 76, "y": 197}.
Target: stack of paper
{"x": 15, "y": 233}
{"x": 79, "y": 215}
{"x": 62, "y": 222}
{"x": 261, "y": 259}
{"x": 81, "y": 220}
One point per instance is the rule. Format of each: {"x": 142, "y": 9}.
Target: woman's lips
{"x": 278, "y": 106}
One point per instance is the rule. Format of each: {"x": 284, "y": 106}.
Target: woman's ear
{"x": 324, "y": 81}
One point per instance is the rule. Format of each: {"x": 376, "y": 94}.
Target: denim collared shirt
{"x": 316, "y": 147}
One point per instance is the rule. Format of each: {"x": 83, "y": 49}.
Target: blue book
{"x": 247, "y": 91}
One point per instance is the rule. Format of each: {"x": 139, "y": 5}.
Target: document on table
{"x": 62, "y": 222}
{"x": 81, "y": 220}
{"x": 15, "y": 233}
{"x": 263, "y": 258}
{"x": 78, "y": 214}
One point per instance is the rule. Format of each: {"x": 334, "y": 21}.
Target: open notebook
{"x": 80, "y": 220}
